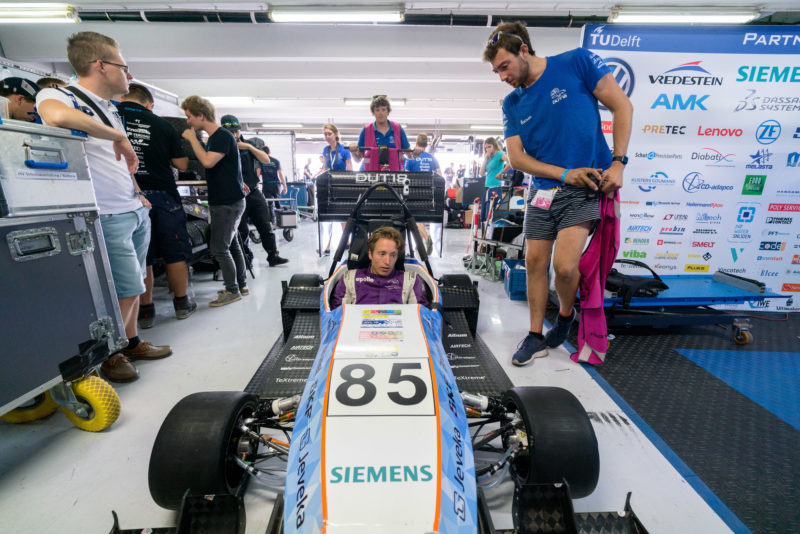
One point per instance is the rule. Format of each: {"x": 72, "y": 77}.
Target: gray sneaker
{"x": 182, "y": 311}
{"x": 244, "y": 291}
{"x": 225, "y": 297}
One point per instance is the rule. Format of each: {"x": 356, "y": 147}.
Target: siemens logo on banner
{"x": 768, "y": 74}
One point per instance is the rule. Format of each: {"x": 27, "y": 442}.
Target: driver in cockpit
{"x": 380, "y": 282}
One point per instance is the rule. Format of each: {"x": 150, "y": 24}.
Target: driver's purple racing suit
{"x": 371, "y": 288}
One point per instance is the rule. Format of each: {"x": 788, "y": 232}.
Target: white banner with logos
{"x": 713, "y": 181}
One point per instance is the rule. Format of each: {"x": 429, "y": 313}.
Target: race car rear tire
{"x": 305, "y": 280}
{"x": 455, "y": 280}
{"x": 194, "y": 447}
{"x": 561, "y": 441}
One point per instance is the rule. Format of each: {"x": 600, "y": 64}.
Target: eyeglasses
{"x": 123, "y": 68}
{"x": 496, "y": 37}
{"x": 230, "y": 125}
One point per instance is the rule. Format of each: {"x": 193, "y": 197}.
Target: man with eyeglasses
{"x": 553, "y": 132}
{"x": 103, "y": 75}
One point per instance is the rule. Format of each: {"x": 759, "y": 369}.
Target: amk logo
{"x": 677, "y": 101}
{"x": 735, "y": 253}
{"x": 754, "y": 184}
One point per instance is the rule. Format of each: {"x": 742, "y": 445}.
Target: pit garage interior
{"x": 703, "y": 432}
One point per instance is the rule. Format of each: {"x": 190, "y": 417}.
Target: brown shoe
{"x": 118, "y": 368}
{"x": 147, "y": 351}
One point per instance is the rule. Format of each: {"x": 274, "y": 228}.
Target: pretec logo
{"x": 664, "y": 129}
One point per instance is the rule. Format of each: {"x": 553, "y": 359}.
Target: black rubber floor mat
{"x": 285, "y": 369}
{"x": 746, "y": 455}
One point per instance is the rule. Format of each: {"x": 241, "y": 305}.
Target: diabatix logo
{"x": 620, "y": 70}
{"x": 745, "y": 215}
{"x": 690, "y": 73}
{"x": 768, "y": 132}
{"x": 768, "y": 74}
{"x": 654, "y": 180}
{"x": 681, "y": 102}
{"x": 793, "y": 159}
{"x": 714, "y": 157}
{"x": 694, "y": 182}
{"x": 760, "y": 160}
{"x": 754, "y": 184}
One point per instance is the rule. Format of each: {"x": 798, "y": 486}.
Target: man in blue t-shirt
{"x": 553, "y": 132}
{"x": 423, "y": 161}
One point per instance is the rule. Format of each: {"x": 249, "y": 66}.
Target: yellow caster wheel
{"x": 39, "y": 407}
{"x": 742, "y": 337}
{"x": 100, "y": 402}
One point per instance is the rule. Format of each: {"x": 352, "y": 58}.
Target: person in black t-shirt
{"x": 256, "y": 207}
{"x": 226, "y": 192}
{"x": 158, "y": 146}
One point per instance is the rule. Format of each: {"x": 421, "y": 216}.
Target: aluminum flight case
{"x": 61, "y": 316}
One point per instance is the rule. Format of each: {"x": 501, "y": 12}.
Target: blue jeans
{"x": 223, "y": 245}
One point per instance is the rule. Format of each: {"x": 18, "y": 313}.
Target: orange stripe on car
{"x": 324, "y": 420}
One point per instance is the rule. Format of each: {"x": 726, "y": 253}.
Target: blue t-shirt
{"x": 493, "y": 168}
{"x": 557, "y": 117}
{"x": 423, "y": 163}
{"x": 385, "y": 140}
{"x": 338, "y": 160}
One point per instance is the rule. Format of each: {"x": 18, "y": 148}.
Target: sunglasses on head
{"x": 230, "y": 125}
{"x": 496, "y": 37}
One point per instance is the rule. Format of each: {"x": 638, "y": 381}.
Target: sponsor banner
{"x": 716, "y": 158}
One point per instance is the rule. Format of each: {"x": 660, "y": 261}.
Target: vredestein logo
{"x": 690, "y": 73}
{"x": 372, "y": 474}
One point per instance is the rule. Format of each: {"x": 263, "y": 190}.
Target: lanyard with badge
{"x": 332, "y": 158}
{"x": 544, "y": 197}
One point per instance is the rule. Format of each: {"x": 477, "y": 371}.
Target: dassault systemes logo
{"x": 623, "y": 73}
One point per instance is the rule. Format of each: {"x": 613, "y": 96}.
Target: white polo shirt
{"x": 113, "y": 187}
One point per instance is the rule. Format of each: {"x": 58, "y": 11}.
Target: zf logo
{"x": 768, "y": 132}
{"x": 623, "y": 73}
{"x": 692, "y": 102}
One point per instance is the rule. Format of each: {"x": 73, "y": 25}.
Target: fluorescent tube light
{"x": 486, "y": 127}
{"x": 365, "y": 102}
{"x": 37, "y": 13}
{"x": 689, "y": 15}
{"x": 306, "y": 14}
{"x": 279, "y": 125}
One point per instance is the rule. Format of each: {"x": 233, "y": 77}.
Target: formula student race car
{"x": 382, "y": 439}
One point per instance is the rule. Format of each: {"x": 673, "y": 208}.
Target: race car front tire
{"x": 195, "y": 446}
{"x": 305, "y": 280}
{"x": 561, "y": 441}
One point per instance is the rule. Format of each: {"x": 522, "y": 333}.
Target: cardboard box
{"x": 468, "y": 215}
{"x": 459, "y": 194}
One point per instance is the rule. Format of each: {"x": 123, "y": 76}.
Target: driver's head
{"x": 384, "y": 247}
{"x": 422, "y": 144}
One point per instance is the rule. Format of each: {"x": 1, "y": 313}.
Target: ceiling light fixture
{"x": 685, "y": 15}
{"x": 280, "y": 125}
{"x": 486, "y": 127}
{"x": 328, "y": 15}
{"x": 365, "y": 102}
{"x": 37, "y": 13}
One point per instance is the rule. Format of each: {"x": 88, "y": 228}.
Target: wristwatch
{"x": 621, "y": 159}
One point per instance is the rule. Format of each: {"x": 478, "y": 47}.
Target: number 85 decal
{"x": 358, "y": 385}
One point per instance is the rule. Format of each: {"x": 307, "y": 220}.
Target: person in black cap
{"x": 18, "y": 99}
{"x": 257, "y": 209}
